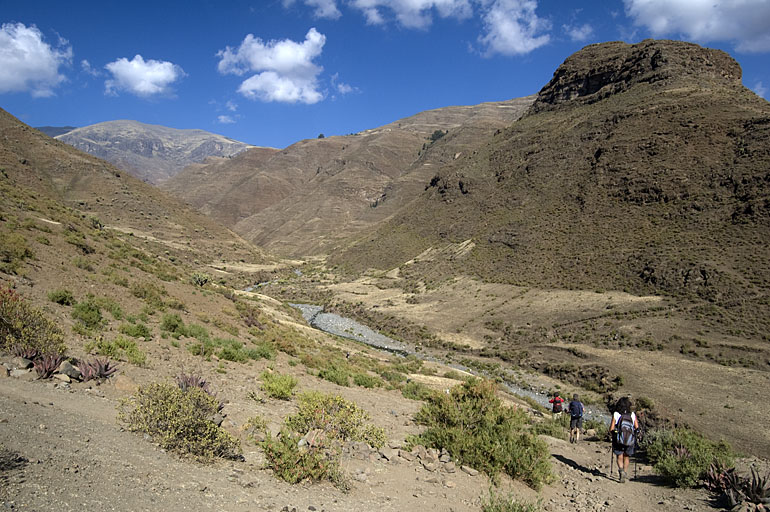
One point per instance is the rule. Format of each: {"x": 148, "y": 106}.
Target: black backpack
{"x": 625, "y": 430}
{"x": 576, "y": 409}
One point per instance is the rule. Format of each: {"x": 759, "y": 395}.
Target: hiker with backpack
{"x": 557, "y": 402}
{"x": 624, "y": 428}
{"x": 575, "y": 418}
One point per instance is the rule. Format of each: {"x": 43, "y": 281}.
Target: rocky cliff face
{"x": 600, "y": 70}
{"x": 150, "y": 152}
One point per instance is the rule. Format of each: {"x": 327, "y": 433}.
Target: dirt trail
{"x": 63, "y": 450}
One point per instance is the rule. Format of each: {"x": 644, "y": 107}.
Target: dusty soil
{"x": 63, "y": 450}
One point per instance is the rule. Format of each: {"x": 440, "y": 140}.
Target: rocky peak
{"x": 600, "y": 70}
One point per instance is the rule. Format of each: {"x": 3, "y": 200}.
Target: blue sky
{"x": 274, "y": 72}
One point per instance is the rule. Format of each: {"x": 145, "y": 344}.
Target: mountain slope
{"x": 310, "y": 195}
{"x": 150, "y": 152}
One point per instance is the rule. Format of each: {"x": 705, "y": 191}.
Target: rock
{"x": 432, "y": 480}
{"x": 62, "y": 377}
{"x": 420, "y": 452}
{"x": 217, "y": 419}
{"x": 4, "y": 372}
{"x": 390, "y": 454}
{"x": 430, "y": 466}
{"x": 66, "y": 368}
{"x": 406, "y": 455}
{"x": 22, "y": 374}
{"x": 444, "y": 457}
{"x": 450, "y": 484}
{"x": 125, "y": 384}
{"x": 469, "y": 470}
{"x": 21, "y": 363}
{"x": 450, "y": 467}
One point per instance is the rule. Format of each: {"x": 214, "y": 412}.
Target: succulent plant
{"x": 192, "y": 381}
{"x": 99, "y": 368}
{"x": 756, "y": 489}
{"x": 681, "y": 452}
{"x": 720, "y": 478}
{"x": 26, "y": 352}
{"x": 46, "y": 365}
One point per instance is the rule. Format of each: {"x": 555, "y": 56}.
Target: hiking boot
{"x": 622, "y": 476}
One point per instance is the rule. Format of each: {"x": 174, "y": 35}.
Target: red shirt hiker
{"x": 557, "y": 402}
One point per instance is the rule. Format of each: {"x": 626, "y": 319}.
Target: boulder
{"x": 66, "y": 368}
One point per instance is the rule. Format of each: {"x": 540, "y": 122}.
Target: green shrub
{"x": 120, "y": 348}
{"x": 179, "y": 420}
{"x": 499, "y": 503}
{"x": 25, "y": 326}
{"x": 83, "y": 264}
{"x": 339, "y": 418}
{"x": 196, "y": 331}
{"x": 416, "y": 391}
{"x": 135, "y": 330}
{"x": 472, "y": 424}
{"x": 109, "y": 305}
{"x": 262, "y": 350}
{"x": 682, "y": 456}
{"x": 278, "y": 386}
{"x": 152, "y": 294}
{"x": 62, "y": 296}
{"x": 336, "y": 373}
{"x": 552, "y": 428}
{"x": 294, "y": 463}
{"x": 13, "y": 251}
{"x": 366, "y": 381}
{"x": 172, "y": 323}
{"x": 88, "y": 313}
{"x": 199, "y": 278}
{"x": 393, "y": 377}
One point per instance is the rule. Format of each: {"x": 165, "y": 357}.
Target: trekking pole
{"x": 612, "y": 460}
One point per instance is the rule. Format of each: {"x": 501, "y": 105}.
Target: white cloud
{"x": 580, "y": 33}
{"x": 86, "y": 67}
{"x": 342, "y": 87}
{"x": 744, "y": 22}
{"x": 28, "y": 63}
{"x": 141, "y": 78}
{"x": 412, "y": 13}
{"x": 323, "y": 8}
{"x": 760, "y": 89}
{"x": 512, "y": 27}
{"x": 284, "y": 69}
{"x": 225, "y": 120}
{"x": 231, "y": 106}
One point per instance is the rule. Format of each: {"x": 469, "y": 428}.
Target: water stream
{"x": 350, "y": 329}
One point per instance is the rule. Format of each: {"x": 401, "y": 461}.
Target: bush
{"x": 180, "y": 421}
{"x": 416, "y": 391}
{"x": 135, "y": 330}
{"x": 63, "y": 297}
{"x": 339, "y": 418}
{"x": 556, "y": 427}
{"x": 120, "y": 348}
{"x": 88, "y": 313}
{"x": 25, "y": 326}
{"x": 172, "y": 323}
{"x": 294, "y": 463}
{"x": 682, "y": 456}
{"x": 477, "y": 430}
{"x": 278, "y": 386}
{"x": 366, "y": 381}
{"x": 498, "y": 503}
{"x": 13, "y": 251}
{"x": 199, "y": 279}
{"x": 336, "y": 373}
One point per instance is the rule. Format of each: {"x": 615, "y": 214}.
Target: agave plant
{"x": 30, "y": 353}
{"x": 46, "y": 365}
{"x": 719, "y": 477}
{"x": 757, "y": 490}
{"x": 186, "y": 382}
{"x": 99, "y": 368}
{"x": 681, "y": 452}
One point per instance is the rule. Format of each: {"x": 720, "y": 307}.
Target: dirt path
{"x": 63, "y": 450}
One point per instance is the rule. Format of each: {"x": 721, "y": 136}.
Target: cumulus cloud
{"x": 512, "y": 27}
{"x": 412, "y": 13}
{"x": 580, "y": 33}
{"x": 140, "y": 77}
{"x": 323, "y": 8}
{"x": 231, "y": 106}
{"x": 28, "y": 63}
{"x": 285, "y": 71}
{"x": 744, "y": 22}
{"x": 225, "y": 119}
{"x": 87, "y": 68}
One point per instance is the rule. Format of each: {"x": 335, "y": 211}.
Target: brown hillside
{"x": 316, "y": 192}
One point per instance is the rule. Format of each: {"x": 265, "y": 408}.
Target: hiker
{"x": 624, "y": 427}
{"x": 575, "y": 418}
{"x": 557, "y": 402}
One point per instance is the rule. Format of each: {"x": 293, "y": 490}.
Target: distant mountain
{"x": 309, "y": 196}
{"x": 150, "y": 152}
{"x": 53, "y": 131}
